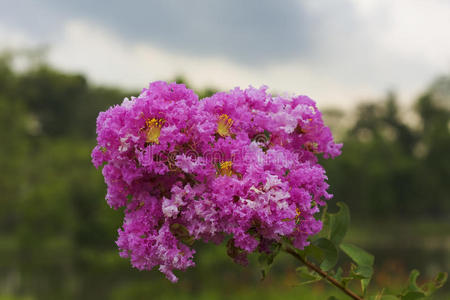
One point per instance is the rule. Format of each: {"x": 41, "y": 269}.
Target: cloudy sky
{"x": 336, "y": 51}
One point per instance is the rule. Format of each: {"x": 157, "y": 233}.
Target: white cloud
{"x": 13, "y": 39}
{"x": 420, "y": 30}
{"x": 107, "y": 59}
{"x": 364, "y": 48}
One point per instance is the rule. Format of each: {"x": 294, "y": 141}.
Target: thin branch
{"x": 322, "y": 273}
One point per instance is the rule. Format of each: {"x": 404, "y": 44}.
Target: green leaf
{"x": 364, "y": 271}
{"x": 307, "y": 276}
{"x": 265, "y": 263}
{"x": 345, "y": 280}
{"x": 336, "y": 225}
{"x": 364, "y": 274}
{"x": 432, "y": 285}
{"x": 388, "y": 297}
{"x": 265, "y": 260}
{"x": 364, "y": 284}
{"x": 383, "y": 297}
{"x": 313, "y": 252}
{"x": 358, "y": 255}
{"x": 332, "y": 298}
{"x": 413, "y": 296}
{"x": 338, "y": 275}
{"x": 330, "y": 253}
{"x": 412, "y": 282}
{"x": 413, "y": 291}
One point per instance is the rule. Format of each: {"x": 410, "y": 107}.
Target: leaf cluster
{"x": 323, "y": 253}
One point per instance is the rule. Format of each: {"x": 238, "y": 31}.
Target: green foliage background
{"x": 57, "y": 233}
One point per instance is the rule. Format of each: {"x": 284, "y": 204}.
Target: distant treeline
{"x": 394, "y": 164}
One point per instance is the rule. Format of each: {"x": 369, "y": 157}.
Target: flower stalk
{"x": 322, "y": 273}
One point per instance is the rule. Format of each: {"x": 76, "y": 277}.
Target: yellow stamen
{"x": 225, "y": 168}
{"x": 224, "y": 125}
{"x": 297, "y": 218}
{"x": 153, "y": 127}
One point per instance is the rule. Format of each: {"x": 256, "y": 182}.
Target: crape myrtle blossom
{"x": 241, "y": 165}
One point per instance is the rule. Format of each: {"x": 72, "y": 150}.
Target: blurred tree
{"x": 432, "y": 178}
{"x": 389, "y": 168}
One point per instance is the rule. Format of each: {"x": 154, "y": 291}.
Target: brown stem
{"x": 322, "y": 273}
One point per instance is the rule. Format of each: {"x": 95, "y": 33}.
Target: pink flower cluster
{"x": 240, "y": 165}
